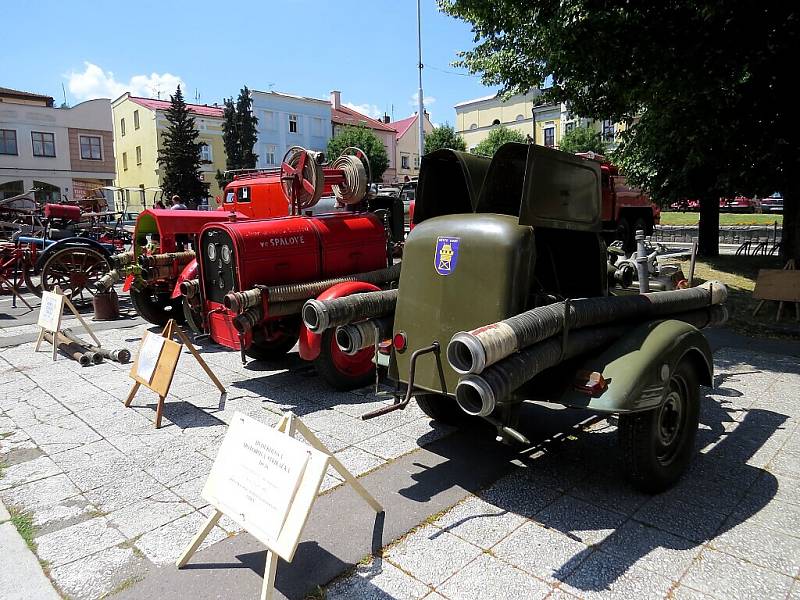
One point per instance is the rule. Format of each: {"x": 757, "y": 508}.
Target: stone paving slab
{"x": 108, "y": 492}
{"x": 567, "y": 525}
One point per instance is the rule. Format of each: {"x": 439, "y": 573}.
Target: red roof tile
{"x": 403, "y": 124}
{"x": 347, "y": 116}
{"x": 198, "y": 109}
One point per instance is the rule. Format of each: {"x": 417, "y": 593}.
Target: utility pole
{"x": 421, "y": 108}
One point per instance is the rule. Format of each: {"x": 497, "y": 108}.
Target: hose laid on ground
{"x": 365, "y": 334}
{"x": 480, "y": 394}
{"x": 122, "y": 356}
{"x": 473, "y": 351}
{"x": 292, "y": 292}
{"x": 75, "y": 351}
{"x": 319, "y": 315}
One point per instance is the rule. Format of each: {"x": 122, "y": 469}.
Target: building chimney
{"x": 336, "y": 99}
{"x": 386, "y": 118}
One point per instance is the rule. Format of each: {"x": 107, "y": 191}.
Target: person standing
{"x": 177, "y": 203}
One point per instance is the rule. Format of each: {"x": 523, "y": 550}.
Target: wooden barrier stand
{"x": 781, "y": 285}
{"x": 50, "y": 313}
{"x": 155, "y": 365}
{"x": 267, "y": 481}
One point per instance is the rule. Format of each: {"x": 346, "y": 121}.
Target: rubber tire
{"x": 149, "y": 310}
{"x": 625, "y": 235}
{"x": 638, "y": 434}
{"x": 334, "y": 377}
{"x": 268, "y": 351}
{"x": 441, "y": 408}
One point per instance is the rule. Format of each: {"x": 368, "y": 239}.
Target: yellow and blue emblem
{"x": 446, "y": 255}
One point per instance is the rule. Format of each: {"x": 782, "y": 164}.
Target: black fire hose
{"x": 480, "y": 394}
{"x": 364, "y": 334}
{"x": 247, "y": 320}
{"x": 319, "y": 315}
{"x": 292, "y": 292}
{"x": 473, "y": 351}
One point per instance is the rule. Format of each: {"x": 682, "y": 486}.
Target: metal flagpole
{"x": 421, "y": 107}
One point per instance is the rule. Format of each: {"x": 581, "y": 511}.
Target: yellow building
{"x": 139, "y": 126}
{"x": 408, "y": 145}
{"x": 545, "y": 124}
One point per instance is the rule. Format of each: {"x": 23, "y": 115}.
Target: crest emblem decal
{"x": 446, "y": 256}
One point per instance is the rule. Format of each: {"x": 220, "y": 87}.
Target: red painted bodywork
{"x": 295, "y": 250}
{"x": 618, "y": 196}
{"x": 189, "y": 272}
{"x": 169, "y": 223}
{"x": 311, "y": 343}
{"x": 256, "y": 196}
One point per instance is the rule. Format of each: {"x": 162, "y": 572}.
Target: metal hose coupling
{"x": 107, "y": 281}
{"x": 365, "y": 334}
{"x": 319, "y": 315}
{"x": 248, "y": 319}
{"x": 239, "y": 302}
{"x": 472, "y": 351}
{"x": 166, "y": 259}
{"x": 122, "y": 259}
{"x": 190, "y": 288}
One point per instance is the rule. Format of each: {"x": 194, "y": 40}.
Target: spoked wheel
{"x": 193, "y": 313}
{"x": 75, "y": 270}
{"x": 658, "y": 444}
{"x": 302, "y": 177}
{"x": 341, "y": 371}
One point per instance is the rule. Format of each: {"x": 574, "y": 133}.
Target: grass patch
{"x": 317, "y": 594}
{"x": 23, "y": 521}
{"x": 739, "y": 274}
{"x": 124, "y": 585}
{"x": 725, "y": 219}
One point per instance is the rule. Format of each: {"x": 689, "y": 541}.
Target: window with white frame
{"x": 91, "y": 147}
{"x": 206, "y": 154}
{"x": 549, "y": 136}
{"x": 136, "y": 119}
{"x": 138, "y": 155}
{"x": 44, "y": 144}
{"x": 122, "y": 126}
{"x": 608, "y": 130}
{"x": 8, "y": 141}
{"x": 416, "y": 161}
{"x": 269, "y": 154}
{"x": 293, "y": 122}
{"x": 569, "y": 127}
{"x": 124, "y": 161}
{"x": 404, "y": 161}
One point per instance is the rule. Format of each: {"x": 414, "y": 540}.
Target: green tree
{"x": 582, "y": 139}
{"x": 361, "y": 137}
{"x": 444, "y": 136}
{"x": 496, "y": 138}
{"x": 180, "y": 154}
{"x": 239, "y": 135}
{"x": 706, "y": 87}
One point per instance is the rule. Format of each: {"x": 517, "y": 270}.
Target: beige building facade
{"x": 408, "y": 160}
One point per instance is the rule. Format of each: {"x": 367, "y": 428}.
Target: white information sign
{"x": 255, "y": 476}
{"x": 148, "y": 356}
{"x": 50, "y": 311}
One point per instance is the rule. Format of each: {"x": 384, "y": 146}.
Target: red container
{"x": 62, "y": 211}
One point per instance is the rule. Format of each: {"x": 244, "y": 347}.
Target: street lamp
{"x": 421, "y": 104}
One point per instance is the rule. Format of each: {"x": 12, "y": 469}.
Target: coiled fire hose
{"x": 473, "y": 351}
{"x": 319, "y": 315}
{"x": 312, "y": 173}
{"x": 365, "y": 334}
{"x": 292, "y": 292}
{"x": 480, "y": 394}
{"x": 355, "y": 176}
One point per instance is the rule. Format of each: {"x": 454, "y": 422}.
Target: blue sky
{"x": 366, "y": 49}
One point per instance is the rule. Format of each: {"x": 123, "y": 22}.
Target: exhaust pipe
{"x": 319, "y": 315}
{"x": 365, "y": 334}
{"x": 480, "y": 394}
{"x": 473, "y": 351}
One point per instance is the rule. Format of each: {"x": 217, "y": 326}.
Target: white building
{"x": 63, "y": 152}
{"x": 286, "y": 120}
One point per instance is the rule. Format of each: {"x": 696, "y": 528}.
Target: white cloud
{"x": 428, "y": 100}
{"x": 94, "y": 82}
{"x": 370, "y": 110}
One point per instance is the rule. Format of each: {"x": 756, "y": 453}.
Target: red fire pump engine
{"x": 255, "y": 274}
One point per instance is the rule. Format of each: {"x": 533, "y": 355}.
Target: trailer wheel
{"x": 74, "y": 269}
{"x": 658, "y": 444}
{"x": 441, "y": 407}
{"x": 340, "y": 371}
{"x": 154, "y": 307}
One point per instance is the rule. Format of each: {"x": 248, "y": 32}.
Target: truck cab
{"x": 257, "y": 195}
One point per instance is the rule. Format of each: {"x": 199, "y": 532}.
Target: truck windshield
{"x": 229, "y": 197}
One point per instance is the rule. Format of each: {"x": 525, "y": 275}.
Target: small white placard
{"x": 148, "y": 356}
{"x": 50, "y": 311}
{"x": 255, "y": 476}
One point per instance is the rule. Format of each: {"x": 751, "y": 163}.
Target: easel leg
{"x": 132, "y": 393}
{"x": 183, "y": 337}
{"x": 55, "y": 343}
{"x": 336, "y": 464}
{"x": 269, "y": 576}
{"x": 39, "y": 339}
{"x": 198, "y": 539}
{"x": 159, "y": 411}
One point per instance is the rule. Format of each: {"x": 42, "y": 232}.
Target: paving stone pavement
{"x": 566, "y": 525}
{"x": 111, "y": 496}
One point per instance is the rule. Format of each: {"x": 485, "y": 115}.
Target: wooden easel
{"x": 165, "y": 369}
{"x": 789, "y": 266}
{"x": 295, "y": 521}
{"x": 57, "y": 331}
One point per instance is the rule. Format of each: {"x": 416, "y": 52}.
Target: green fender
{"x": 637, "y": 367}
